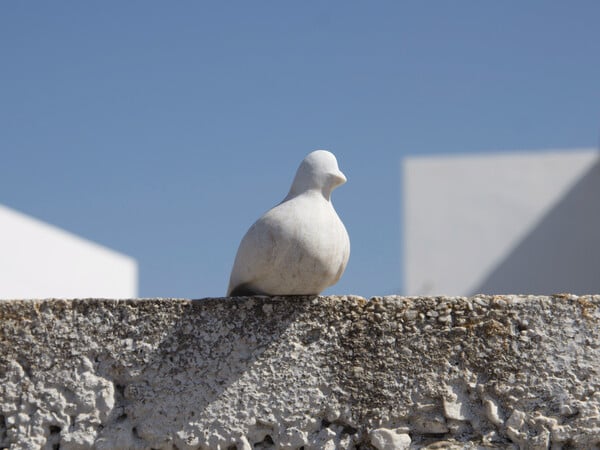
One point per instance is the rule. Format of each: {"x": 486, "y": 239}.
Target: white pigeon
{"x": 300, "y": 247}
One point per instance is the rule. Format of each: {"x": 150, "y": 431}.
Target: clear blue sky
{"x": 164, "y": 129}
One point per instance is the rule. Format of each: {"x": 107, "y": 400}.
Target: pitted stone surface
{"x": 301, "y": 372}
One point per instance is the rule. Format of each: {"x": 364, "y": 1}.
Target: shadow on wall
{"x": 562, "y": 253}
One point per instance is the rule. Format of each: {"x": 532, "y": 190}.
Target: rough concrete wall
{"x": 312, "y": 373}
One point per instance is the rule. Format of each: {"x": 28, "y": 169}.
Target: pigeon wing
{"x": 254, "y": 259}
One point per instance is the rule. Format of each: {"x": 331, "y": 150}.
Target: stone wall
{"x": 301, "y": 372}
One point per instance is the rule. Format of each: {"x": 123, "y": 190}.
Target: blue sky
{"x": 163, "y": 130}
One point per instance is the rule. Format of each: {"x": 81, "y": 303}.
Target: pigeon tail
{"x": 244, "y": 290}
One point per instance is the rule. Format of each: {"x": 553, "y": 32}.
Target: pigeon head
{"x": 318, "y": 171}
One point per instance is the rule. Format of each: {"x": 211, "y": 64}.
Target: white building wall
{"x": 525, "y": 222}
{"x": 38, "y": 260}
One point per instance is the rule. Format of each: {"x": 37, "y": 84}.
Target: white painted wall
{"x": 526, "y": 222}
{"x": 38, "y": 260}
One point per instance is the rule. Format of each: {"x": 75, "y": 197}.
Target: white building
{"x": 526, "y": 222}
{"x": 38, "y": 260}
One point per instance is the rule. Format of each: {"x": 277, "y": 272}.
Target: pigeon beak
{"x": 339, "y": 178}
